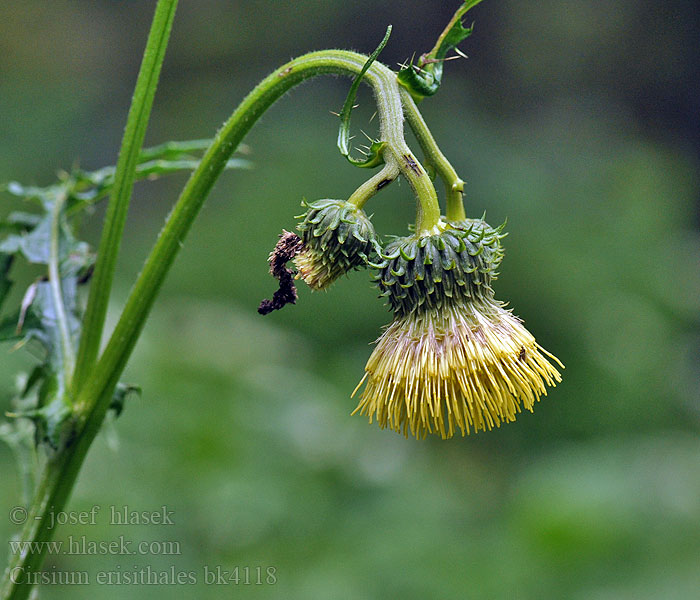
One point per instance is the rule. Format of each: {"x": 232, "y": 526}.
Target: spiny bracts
{"x": 457, "y": 264}
{"x": 337, "y": 237}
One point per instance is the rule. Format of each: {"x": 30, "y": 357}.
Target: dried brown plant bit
{"x": 288, "y": 246}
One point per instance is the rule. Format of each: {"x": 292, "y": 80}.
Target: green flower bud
{"x": 337, "y": 237}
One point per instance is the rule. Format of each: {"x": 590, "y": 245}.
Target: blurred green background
{"x": 577, "y": 122}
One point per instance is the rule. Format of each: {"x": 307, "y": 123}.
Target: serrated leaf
{"x": 33, "y": 245}
{"x": 374, "y": 157}
{"x": 424, "y": 79}
{"x": 50, "y": 314}
{"x": 176, "y": 150}
{"x": 27, "y": 192}
{"x": 46, "y": 329}
{"x": 158, "y": 167}
{"x": 81, "y": 187}
{"x": 20, "y": 221}
{"x": 90, "y": 187}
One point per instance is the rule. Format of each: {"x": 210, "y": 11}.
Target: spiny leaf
{"x": 27, "y": 192}
{"x": 374, "y": 157}
{"x": 33, "y": 242}
{"x": 17, "y": 222}
{"x": 34, "y": 245}
{"x": 39, "y": 400}
{"x": 176, "y": 150}
{"x": 45, "y": 310}
{"x": 44, "y": 400}
{"x": 99, "y": 183}
{"x": 82, "y": 187}
{"x": 40, "y": 319}
{"x": 424, "y": 79}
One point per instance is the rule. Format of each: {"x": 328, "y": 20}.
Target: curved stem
{"x": 454, "y": 186}
{"x": 369, "y": 188}
{"x": 60, "y": 472}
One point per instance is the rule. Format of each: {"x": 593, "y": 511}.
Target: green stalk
{"x": 134, "y": 133}
{"x": 52, "y": 492}
{"x": 454, "y": 186}
{"x": 369, "y": 188}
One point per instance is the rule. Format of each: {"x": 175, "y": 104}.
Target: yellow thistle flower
{"x": 463, "y": 367}
{"x": 454, "y": 358}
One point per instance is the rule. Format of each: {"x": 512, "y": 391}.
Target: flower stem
{"x": 383, "y": 80}
{"x": 369, "y": 188}
{"x": 454, "y": 186}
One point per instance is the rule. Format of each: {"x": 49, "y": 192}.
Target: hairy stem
{"x": 454, "y": 186}
{"x": 61, "y": 471}
{"x": 383, "y": 80}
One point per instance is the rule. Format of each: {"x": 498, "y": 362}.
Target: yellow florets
{"x": 313, "y": 270}
{"x": 465, "y": 368}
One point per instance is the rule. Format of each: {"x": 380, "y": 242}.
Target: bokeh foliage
{"x": 576, "y": 124}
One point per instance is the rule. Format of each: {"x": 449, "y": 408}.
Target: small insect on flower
{"x": 453, "y": 358}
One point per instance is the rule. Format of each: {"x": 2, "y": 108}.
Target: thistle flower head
{"x": 454, "y": 358}
{"x": 337, "y": 237}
